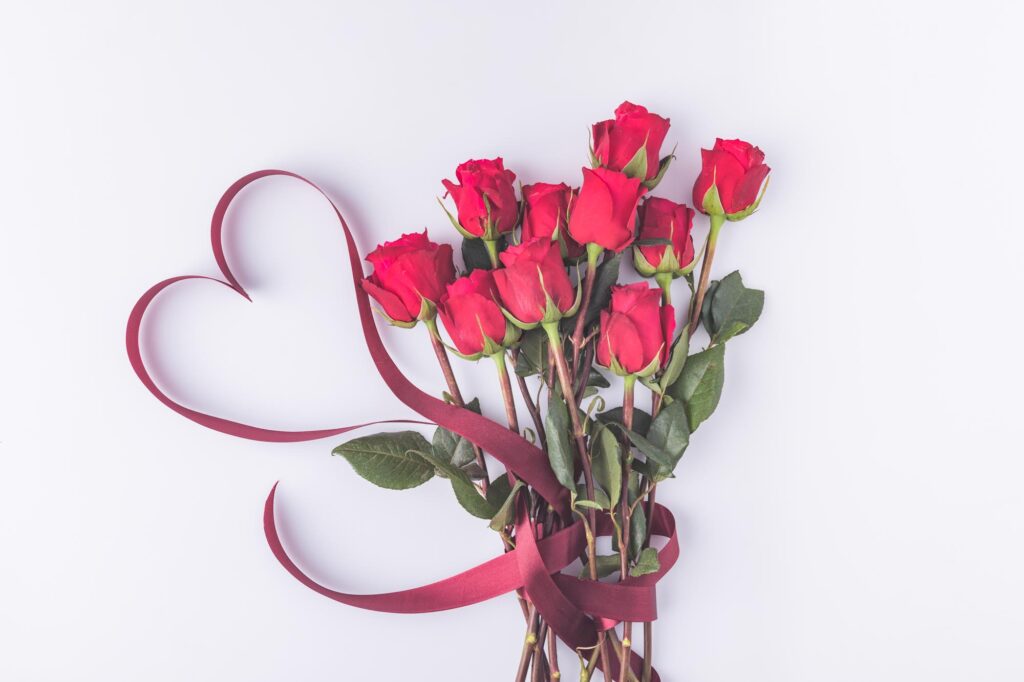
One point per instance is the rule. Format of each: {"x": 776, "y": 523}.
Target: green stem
{"x": 492, "y": 251}
{"x": 453, "y": 389}
{"x": 629, "y": 382}
{"x": 593, "y": 254}
{"x": 664, "y": 280}
{"x": 705, "y": 270}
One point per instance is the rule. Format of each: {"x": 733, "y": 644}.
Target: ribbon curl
{"x": 575, "y": 609}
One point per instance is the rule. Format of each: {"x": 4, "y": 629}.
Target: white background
{"x": 852, "y": 512}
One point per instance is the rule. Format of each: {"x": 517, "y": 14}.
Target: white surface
{"x": 852, "y": 512}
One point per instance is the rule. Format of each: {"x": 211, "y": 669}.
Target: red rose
{"x": 472, "y": 316}
{"x": 605, "y": 210}
{"x": 736, "y": 168}
{"x": 485, "y": 198}
{"x": 546, "y": 214}
{"x": 636, "y": 330}
{"x": 617, "y": 142}
{"x": 534, "y": 285}
{"x": 409, "y": 277}
{"x": 664, "y": 219}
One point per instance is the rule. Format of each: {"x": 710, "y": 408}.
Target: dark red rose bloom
{"x": 484, "y": 178}
{"x": 737, "y": 169}
{"x": 664, "y": 219}
{"x": 618, "y": 140}
{"x": 534, "y": 272}
{"x": 471, "y": 314}
{"x": 547, "y": 210}
{"x": 636, "y": 330}
{"x": 604, "y": 213}
{"x": 406, "y": 271}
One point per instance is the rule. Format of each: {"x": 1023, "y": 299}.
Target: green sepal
{"x": 637, "y": 166}
{"x": 662, "y": 169}
{"x": 455, "y": 223}
{"x": 740, "y": 215}
{"x": 392, "y": 321}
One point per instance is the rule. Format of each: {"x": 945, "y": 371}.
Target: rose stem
{"x": 553, "y": 655}
{"x": 565, "y": 380}
{"x": 453, "y": 390}
{"x": 664, "y": 280}
{"x": 705, "y": 271}
{"x": 528, "y": 644}
{"x": 531, "y": 407}
{"x": 492, "y": 252}
{"x": 506, "y": 392}
{"x": 593, "y": 253}
{"x": 538, "y": 653}
{"x": 629, "y": 381}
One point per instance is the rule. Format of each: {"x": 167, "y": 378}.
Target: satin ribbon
{"x": 575, "y": 609}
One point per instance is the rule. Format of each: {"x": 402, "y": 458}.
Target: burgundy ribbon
{"x": 575, "y": 609}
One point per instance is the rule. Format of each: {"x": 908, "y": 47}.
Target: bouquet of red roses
{"x": 539, "y": 296}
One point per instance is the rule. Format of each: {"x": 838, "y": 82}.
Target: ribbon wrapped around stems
{"x": 575, "y": 609}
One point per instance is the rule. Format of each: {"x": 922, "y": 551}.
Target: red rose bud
{"x": 473, "y": 318}
{"x": 661, "y": 219}
{"x": 546, "y": 214}
{"x": 731, "y": 179}
{"x": 604, "y": 213}
{"x": 485, "y": 198}
{"x": 534, "y": 286}
{"x": 630, "y": 143}
{"x": 409, "y": 277}
{"x": 636, "y": 331}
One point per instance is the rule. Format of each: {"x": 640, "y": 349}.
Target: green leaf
{"x": 560, "y": 452}
{"x": 597, "y": 380}
{"x": 466, "y": 493}
{"x": 533, "y": 353}
{"x": 670, "y": 433}
{"x": 474, "y": 254}
{"x": 600, "y": 498}
{"x": 607, "y": 464}
{"x": 389, "y": 459}
{"x": 588, "y": 504}
{"x": 676, "y": 361}
{"x": 705, "y": 310}
{"x": 606, "y": 565}
{"x": 606, "y": 276}
{"x": 647, "y": 563}
{"x": 700, "y": 385}
{"x": 456, "y": 450}
{"x": 506, "y": 511}
{"x": 734, "y": 308}
{"x": 641, "y": 419}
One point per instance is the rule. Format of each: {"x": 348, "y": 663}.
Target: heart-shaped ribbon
{"x": 575, "y": 609}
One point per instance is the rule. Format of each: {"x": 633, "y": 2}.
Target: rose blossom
{"x": 472, "y": 316}
{"x": 485, "y": 198}
{"x": 546, "y": 213}
{"x": 604, "y": 213}
{"x": 636, "y": 330}
{"x": 534, "y": 275}
{"x": 407, "y": 272}
{"x": 617, "y": 141}
{"x": 736, "y": 168}
{"x": 664, "y": 219}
